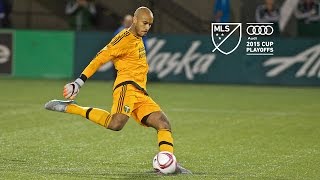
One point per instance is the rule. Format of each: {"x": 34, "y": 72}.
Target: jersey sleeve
{"x": 109, "y": 52}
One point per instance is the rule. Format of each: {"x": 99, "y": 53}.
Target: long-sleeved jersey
{"x": 128, "y": 55}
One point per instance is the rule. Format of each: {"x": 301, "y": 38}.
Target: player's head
{"x": 142, "y": 21}
{"x": 127, "y": 21}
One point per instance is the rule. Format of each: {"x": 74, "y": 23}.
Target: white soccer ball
{"x": 165, "y": 162}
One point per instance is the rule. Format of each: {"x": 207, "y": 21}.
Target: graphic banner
{"x": 195, "y": 58}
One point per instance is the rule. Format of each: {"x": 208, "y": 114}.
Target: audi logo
{"x": 255, "y": 30}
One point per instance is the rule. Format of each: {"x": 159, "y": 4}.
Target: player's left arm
{"x": 71, "y": 90}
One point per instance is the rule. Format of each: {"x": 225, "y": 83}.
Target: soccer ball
{"x": 165, "y": 162}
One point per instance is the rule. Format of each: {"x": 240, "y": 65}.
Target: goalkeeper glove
{"x": 71, "y": 90}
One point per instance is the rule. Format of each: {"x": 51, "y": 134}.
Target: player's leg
{"x": 115, "y": 120}
{"x": 149, "y": 114}
{"x": 159, "y": 121}
{"x": 96, "y": 115}
{"x": 99, "y": 116}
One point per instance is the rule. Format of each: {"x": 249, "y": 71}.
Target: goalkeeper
{"x": 130, "y": 98}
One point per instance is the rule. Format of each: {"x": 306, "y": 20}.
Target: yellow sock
{"x": 165, "y": 140}
{"x": 96, "y": 115}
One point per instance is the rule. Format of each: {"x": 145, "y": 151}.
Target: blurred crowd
{"x": 81, "y": 14}
{"x": 307, "y": 14}
{"x": 84, "y": 15}
{"x": 5, "y": 10}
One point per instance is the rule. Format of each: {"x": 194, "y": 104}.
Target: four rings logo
{"x": 257, "y": 30}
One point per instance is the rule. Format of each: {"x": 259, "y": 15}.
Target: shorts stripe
{"x": 121, "y": 98}
{"x": 119, "y": 101}
{"x": 106, "y": 123}
{"x": 124, "y": 94}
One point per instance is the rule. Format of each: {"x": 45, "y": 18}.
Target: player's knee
{"x": 163, "y": 122}
{"x": 117, "y": 122}
{"x": 116, "y": 126}
{"x": 158, "y": 120}
{"x": 164, "y": 125}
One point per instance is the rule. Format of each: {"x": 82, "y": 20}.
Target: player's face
{"x": 143, "y": 23}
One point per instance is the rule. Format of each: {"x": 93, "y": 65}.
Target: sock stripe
{"x": 165, "y": 142}
{"x": 88, "y": 112}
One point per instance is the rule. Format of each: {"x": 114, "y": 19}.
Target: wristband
{"x": 83, "y": 77}
{"x": 79, "y": 82}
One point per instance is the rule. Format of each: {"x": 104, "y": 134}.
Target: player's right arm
{"x": 111, "y": 51}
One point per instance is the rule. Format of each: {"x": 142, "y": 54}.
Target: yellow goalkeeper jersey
{"x": 128, "y": 55}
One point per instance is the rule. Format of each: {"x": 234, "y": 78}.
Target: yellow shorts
{"x": 130, "y": 101}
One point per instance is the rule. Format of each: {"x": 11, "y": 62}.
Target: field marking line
{"x": 195, "y": 110}
{"x": 231, "y": 111}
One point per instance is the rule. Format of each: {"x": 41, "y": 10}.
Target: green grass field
{"x": 221, "y": 132}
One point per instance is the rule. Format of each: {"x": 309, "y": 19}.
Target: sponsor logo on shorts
{"x": 126, "y": 108}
